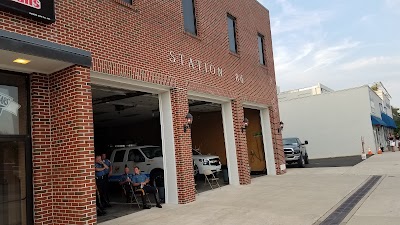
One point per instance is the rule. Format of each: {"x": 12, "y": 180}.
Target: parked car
{"x": 149, "y": 159}
{"x": 295, "y": 151}
{"x": 203, "y": 162}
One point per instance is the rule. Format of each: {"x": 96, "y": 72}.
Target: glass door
{"x": 15, "y": 151}
{"x": 13, "y": 197}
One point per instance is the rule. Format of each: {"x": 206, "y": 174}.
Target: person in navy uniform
{"x": 99, "y": 208}
{"x": 107, "y": 173}
{"x": 141, "y": 182}
{"x": 126, "y": 181}
{"x": 100, "y": 168}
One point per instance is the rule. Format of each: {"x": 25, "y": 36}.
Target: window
{"x": 128, "y": 1}
{"x": 380, "y": 107}
{"x": 189, "y": 16}
{"x": 232, "y": 33}
{"x": 152, "y": 152}
{"x": 119, "y": 156}
{"x": 13, "y": 105}
{"x": 261, "y": 49}
{"x": 136, "y": 156}
{"x": 290, "y": 141}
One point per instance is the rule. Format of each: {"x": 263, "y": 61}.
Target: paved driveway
{"x": 287, "y": 199}
{"x": 332, "y": 162}
{"x": 301, "y": 197}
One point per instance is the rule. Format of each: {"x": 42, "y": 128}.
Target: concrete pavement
{"x": 383, "y": 205}
{"x": 302, "y": 196}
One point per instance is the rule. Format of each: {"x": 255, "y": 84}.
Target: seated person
{"x": 141, "y": 182}
{"x": 126, "y": 182}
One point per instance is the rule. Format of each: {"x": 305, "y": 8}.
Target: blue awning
{"x": 389, "y": 121}
{"x": 376, "y": 121}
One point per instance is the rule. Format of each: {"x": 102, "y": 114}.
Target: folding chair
{"x": 132, "y": 194}
{"x": 137, "y": 192}
{"x": 211, "y": 180}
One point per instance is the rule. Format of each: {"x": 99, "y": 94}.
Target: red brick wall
{"x": 142, "y": 36}
{"x": 63, "y": 150}
{"x": 134, "y": 42}
{"x": 41, "y": 149}
{"x": 73, "y": 147}
{"x": 241, "y": 143}
{"x": 183, "y": 147}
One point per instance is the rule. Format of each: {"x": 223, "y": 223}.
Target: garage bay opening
{"x": 127, "y": 130}
{"x": 209, "y": 154}
{"x": 255, "y": 144}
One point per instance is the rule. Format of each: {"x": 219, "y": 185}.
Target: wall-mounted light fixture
{"x": 189, "y": 121}
{"x": 281, "y": 124}
{"x": 245, "y": 124}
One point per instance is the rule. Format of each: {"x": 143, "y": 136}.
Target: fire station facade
{"x": 53, "y": 51}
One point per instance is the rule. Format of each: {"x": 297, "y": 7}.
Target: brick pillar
{"x": 277, "y": 138}
{"x": 41, "y": 149}
{"x": 72, "y": 147}
{"x": 183, "y": 147}
{"x": 241, "y": 143}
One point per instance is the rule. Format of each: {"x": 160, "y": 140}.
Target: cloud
{"x": 392, "y": 3}
{"x": 292, "y": 18}
{"x": 371, "y": 62}
{"x": 312, "y": 44}
{"x": 366, "y": 18}
{"x": 285, "y": 59}
{"x": 332, "y": 54}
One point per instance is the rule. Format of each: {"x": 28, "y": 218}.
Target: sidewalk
{"x": 383, "y": 205}
{"x": 301, "y": 196}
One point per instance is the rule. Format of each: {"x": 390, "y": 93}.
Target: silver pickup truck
{"x": 295, "y": 151}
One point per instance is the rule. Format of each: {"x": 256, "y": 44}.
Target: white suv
{"x": 204, "y": 162}
{"x": 149, "y": 159}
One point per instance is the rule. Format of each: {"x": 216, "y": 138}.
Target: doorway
{"x": 13, "y": 185}
{"x": 15, "y": 150}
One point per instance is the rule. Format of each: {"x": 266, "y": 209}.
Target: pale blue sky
{"x": 338, "y": 43}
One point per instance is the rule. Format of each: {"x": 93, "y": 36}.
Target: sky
{"x": 339, "y": 43}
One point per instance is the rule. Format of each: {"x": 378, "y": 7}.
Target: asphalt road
{"x": 332, "y": 162}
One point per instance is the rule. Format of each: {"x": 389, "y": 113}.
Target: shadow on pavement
{"x": 120, "y": 208}
{"x": 332, "y": 162}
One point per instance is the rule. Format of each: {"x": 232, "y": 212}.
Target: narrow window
{"x": 128, "y": 1}
{"x": 232, "y": 33}
{"x": 189, "y": 16}
{"x": 261, "y": 49}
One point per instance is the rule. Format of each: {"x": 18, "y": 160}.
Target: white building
{"x": 335, "y": 122}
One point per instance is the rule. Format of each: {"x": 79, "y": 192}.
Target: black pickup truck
{"x": 295, "y": 151}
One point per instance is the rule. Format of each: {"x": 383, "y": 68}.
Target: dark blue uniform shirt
{"x": 99, "y": 173}
{"x": 125, "y": 176}
{"x": 108, "y": 163}
{"x": 139, "y": 178}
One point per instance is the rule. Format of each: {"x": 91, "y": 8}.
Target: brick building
{"x": 54, "y": 51}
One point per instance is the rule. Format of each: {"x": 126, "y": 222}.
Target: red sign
{"x": 31, "y": 3}
{"x": 41, "y": 10}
